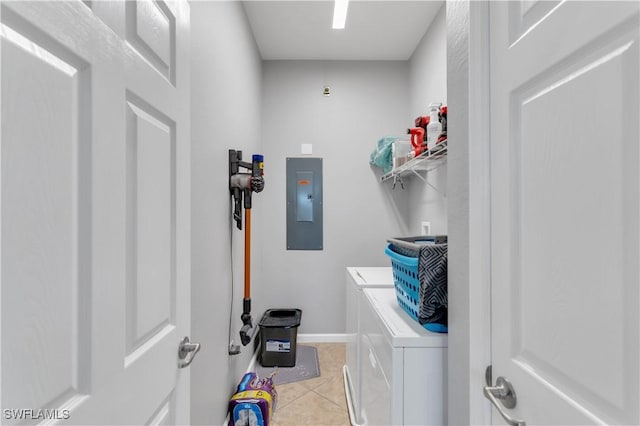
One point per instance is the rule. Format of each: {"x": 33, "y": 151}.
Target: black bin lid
{"x": 281, "y": 318}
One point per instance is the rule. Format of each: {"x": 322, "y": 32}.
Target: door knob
{"x": 504, "y": 392}
{"x": 186, "y": 352}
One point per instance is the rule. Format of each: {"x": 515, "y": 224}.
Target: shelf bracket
{"x": 396, "y": 179}
{"x": 426, "y": 180}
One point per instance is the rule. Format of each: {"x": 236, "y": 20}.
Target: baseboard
{"x": 321, "y": 338}
{"x": 253, "y": 362}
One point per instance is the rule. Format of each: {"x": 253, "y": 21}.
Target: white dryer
{"x": 358, "y": 278}
{"x": 404, "y": 366}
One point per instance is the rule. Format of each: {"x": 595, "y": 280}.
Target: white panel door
{"x": 565, "y": 195}
{"x": 95, "y": 212}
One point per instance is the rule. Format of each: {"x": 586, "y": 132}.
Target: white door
{"x": 565, "y": 196}
{"x": 95, "y": 211}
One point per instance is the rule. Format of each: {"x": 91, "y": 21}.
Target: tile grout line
{"x": 320, "y": 395}
{"x": 327, "y": 353}
{"x": 294, "y": 399}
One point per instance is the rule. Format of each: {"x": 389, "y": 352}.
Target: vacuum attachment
{"x": 246, "y": 334}
{"x": 247, "y": 331}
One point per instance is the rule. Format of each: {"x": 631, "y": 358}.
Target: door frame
{"x": 469, "y": 210}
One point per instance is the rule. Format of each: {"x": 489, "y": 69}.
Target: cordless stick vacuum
{"x": 241, "y": 186}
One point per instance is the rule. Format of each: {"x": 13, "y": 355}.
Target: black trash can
{"x": 278, "y": 335}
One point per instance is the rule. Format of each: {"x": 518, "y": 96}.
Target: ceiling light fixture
{"x": 340, "y": 14}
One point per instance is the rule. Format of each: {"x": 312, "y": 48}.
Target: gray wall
{"x": 428, "y": 82}
{"x": 225, "y": 106}
{"x": 369, "y": 100}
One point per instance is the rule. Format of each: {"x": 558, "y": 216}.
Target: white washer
{"x": 404, "y": 366}
{"x": 358, "y": 278}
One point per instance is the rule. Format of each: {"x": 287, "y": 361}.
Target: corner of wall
{"x": 428, "y": 83}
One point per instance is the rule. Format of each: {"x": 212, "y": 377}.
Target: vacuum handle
{"x": 257, "y": 166}
{"x": 257, "y": 172}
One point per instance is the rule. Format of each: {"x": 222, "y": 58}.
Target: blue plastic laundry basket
{"x": 407, "y": 284}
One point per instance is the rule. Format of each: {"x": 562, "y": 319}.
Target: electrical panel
{"x": 304, "y": 204}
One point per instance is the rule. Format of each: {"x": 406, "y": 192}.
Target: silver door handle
{"x": 504, "y": 392}
{"x": 186, "y": 352}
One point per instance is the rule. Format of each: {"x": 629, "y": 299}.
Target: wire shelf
{"x": 425, "y": 162}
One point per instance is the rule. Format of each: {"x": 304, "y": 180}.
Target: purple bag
{"x": 254, "y": 401}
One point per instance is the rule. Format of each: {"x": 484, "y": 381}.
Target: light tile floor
{"x": 317, "y": 401}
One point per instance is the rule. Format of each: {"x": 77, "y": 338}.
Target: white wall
{"x": 369, "y": 100}
{"x": 428, "y": 67}
{"x": 428, "y": 83}
{"x": 226, "y": 82}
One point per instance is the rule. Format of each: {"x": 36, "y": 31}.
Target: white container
{"x": 434, "y": 128}
{"x": 399, "y": 151}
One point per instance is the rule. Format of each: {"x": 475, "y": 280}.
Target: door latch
{"x": 186, "y": 352}
{"x": 503, "y": 391}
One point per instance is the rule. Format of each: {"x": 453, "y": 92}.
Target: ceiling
{"x": 375, "y": 29}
